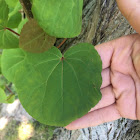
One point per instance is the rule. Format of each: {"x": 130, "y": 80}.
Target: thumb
{"x": 131, "y": 10}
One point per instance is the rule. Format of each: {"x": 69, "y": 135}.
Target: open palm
{"x": 121, "y": 76}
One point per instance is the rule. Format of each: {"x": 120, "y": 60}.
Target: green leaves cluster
{"x": 48, "y": 14}
{"x": 54, "y": 88}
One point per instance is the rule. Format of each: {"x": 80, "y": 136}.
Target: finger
{"x": 95, "y": 118}
{"x": 131, "y": 10}
{"x": 108, "y": 98}
{"x": 105, "y": 51}
{"x": 136, "y": 55}
{"x": 136, "y": 61}
{"x": 137, "y": 64}
{"x": 106, "y": 78}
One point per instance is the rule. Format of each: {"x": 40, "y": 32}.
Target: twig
{"x": 12, "y": 31}
{"x": 9, "y": 90}
{"x": 62, "y": 43}
{"x": 26, "y": 4}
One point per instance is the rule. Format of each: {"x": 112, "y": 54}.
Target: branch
{"x": 62, "y": 43}
{"x": 26, "y": 4}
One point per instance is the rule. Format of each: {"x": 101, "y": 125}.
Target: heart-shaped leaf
{"x": 62, "y": 19}
{"x": 34, "y": 39}
{"x": 53, "y": 88}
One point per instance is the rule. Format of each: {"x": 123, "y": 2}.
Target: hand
{"x": 121, "y": 75}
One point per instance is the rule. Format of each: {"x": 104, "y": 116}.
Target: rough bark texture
{"x": 102, "y": 21}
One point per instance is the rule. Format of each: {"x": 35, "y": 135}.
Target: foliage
{"x": 5, "y": 94}
{"x": 20, "y": 26}
{"x": 41, "y": 72}
{"x": 11, "y": 3}
{"x": 34, "y": 39}
{"x": 7, "y": 39}
{"x": 59, "y": 18}
{"x": 14, "y": 16}
{"x": 6, "y": 99}
{"x": 54, "y": 88}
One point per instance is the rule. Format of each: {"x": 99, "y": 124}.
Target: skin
{"x": 121, "y": 75}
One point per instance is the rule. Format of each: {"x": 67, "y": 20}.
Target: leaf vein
{"x": 77, "y": 52}
{"x": 46, "y": 88}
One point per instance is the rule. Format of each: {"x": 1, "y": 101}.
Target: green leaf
{"x": 11, "y": 3}
{"x": 55, "y": 89}
{"x": 0, "y": 63}
{"x": 14, "y": 20}
{"x": 6, "y": 99}
{"x": 15, "y": 17}
{"x": 62, "y": 19}
{"x": 11, "y": 98}
{"x": 3, "y": 81}
{"x": 3, "y": 96}
{"x": 20, "y": 26}
{"x": 34, "y": 39}
{"x": 3, "y": 13}
{"x": 8, "y": 40}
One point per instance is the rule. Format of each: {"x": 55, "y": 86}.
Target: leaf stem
{"x": 62, "y": 43}
{"x": 26, "y": 4}
{"x": 9, "y": 90}
{"x": 12, "y": 31}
